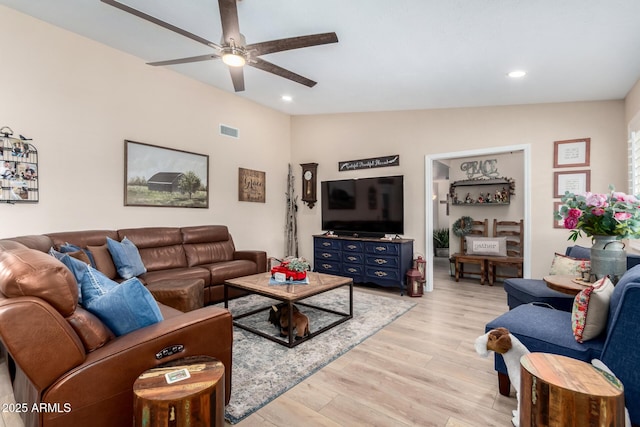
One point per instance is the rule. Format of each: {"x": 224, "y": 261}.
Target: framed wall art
{"x": 166, "y": 177}
{"x": 571, "y": 153}
{"x": 251, "y": 185}
{"x": 576, "y": 182}
{"x": 19, "y": 181}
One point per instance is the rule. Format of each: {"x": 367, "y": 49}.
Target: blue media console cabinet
{"x": 365, "y": 260}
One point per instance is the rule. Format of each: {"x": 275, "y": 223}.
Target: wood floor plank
{"x": 421, "y": 370}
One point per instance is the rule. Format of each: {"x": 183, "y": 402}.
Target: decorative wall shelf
{"x": 482, "y": 192}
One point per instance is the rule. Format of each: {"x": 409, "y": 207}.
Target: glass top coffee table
{"x": 289, "y": 293}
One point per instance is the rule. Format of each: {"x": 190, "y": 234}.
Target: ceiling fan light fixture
{"x": 233, "y": 58}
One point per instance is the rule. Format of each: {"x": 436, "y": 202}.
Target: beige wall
{"x": 79, "y": 100}
{"x": 328, "y": 139}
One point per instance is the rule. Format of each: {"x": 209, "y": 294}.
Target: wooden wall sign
{"x": 251, "y": 185}
{"x": 374, "y": 162}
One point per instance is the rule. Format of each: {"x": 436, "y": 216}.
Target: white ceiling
{"x": 391, "y": 54}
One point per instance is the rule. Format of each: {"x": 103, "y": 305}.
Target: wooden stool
{"x": 181, "y": 294}
{"x": 557, "y": 391}
{"x": 197, "y": 401}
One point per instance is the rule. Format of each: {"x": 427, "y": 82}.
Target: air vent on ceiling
{"x": 229, "y": 131}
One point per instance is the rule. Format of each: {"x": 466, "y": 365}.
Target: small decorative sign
{"x": 175, "y": 376}
{"x": 251, "y": 185}
{"x": 374, "y": 162}
{"x": 483, "y": 168}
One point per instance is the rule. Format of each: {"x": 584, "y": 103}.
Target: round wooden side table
{"x": 567, "y": 284}
{"x": 558, "y": 391}
{"x": 195, "y": 401}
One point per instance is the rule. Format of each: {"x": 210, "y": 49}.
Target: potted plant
{"x": 441, "y": 242}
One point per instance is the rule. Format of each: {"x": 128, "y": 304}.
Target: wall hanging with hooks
{"x": 19, "y": 168}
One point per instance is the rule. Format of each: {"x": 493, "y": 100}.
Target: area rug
{"x": 262, "y": 369}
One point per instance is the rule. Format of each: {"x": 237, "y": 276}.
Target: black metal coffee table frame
{"x": 292, "y": 341}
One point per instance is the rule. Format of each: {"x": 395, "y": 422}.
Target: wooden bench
{"x": 478, "y": 228}
{"x": 513, "y": 231}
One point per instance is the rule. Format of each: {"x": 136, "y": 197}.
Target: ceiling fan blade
{"x": 237, "y": 77}
{"x": 292, "y": 43}
{"x": 159, "y": 22}
{"x": 229, "y": 20}
{"x": 185, "y": 60}
{"x": 279, "y": 71}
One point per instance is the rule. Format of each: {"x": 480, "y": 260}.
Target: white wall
{"x": 328, "y": 139}
{"x": 79, "y": 100}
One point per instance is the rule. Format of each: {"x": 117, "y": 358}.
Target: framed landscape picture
{"x": 167, "y": 177}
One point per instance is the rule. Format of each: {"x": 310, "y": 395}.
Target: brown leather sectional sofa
{"x": 67, "y": 363}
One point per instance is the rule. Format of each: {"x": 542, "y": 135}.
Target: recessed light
{"x": 517, "y": 74}
{"x": 287, "y": 98}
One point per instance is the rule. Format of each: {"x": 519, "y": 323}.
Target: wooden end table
{"x": 197, "y": 401}
{"x": 558, "y": 391}
{"x": 566, "y": 283}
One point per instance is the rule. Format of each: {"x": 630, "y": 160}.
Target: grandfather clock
{"x": 309, "y": 183}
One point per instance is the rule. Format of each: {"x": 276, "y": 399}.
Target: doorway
{"x": 431, "y": 163}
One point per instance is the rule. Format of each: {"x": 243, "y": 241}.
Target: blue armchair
{"x": 548, "y": 330}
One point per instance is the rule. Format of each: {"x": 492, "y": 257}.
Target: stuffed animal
{"x": 300, "y": 322}
{"x": 501, "y": 341}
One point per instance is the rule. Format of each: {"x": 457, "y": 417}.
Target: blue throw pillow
{"x": 77, "y": 267}
{"x": 126, "y": 258}
{"x": 123, "y": 307}
{"x": 69, "y": 247}
{"x": 579, "y": 252}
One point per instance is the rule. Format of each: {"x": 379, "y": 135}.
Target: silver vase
{"x": 608, "y": 258}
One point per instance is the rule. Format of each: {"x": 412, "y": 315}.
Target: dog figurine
{"x": 501, "y": 341}
{"x": 300, "y": 322}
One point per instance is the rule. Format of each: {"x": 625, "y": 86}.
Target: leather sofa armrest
{"x": 39, "y": 339}
{"x": 206, "y": 331}
{"x": 259, "y": 257}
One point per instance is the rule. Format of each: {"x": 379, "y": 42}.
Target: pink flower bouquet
{"x": 612, "y": 214}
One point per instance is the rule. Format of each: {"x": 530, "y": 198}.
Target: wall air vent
{"x": 229, "y": 131}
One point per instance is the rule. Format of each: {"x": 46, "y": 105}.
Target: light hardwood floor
{"x": 421, "y": 370}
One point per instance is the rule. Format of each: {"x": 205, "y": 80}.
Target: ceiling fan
{"x": 233, "y": 49}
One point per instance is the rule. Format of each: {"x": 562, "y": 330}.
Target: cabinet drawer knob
{"x": 352, "y": 246}
{"x": 380, "y": 248}
{"x": 327, "y": 266}
{"x": 380, "y": 261}
{"x": 326, "y": 244}
{"x": 352, "y": 258}
{"x": 380, "y": 273}
{"x": 326, "y": 255}
{"x": 352, "y": 270}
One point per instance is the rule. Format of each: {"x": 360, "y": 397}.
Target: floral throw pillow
{"x": 563, "y": 264}
{"x": 591, "y": 310}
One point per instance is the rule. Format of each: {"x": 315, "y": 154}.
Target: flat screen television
{"x": 365, "y": 207}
